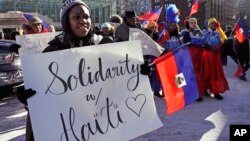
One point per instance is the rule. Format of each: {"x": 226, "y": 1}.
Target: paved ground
{"x": 208, "y": 120}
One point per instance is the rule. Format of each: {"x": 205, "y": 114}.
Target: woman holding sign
{"x": 78, "y": 31}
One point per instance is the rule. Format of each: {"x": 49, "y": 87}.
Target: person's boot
{"x": 243, "y": 76}
{"x": 207, "y": 94}
{"x": 199, "y": 99}
{"x": 218, "y": 96}
{"x": 238, "y": 71}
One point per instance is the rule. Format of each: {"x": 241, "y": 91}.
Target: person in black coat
{"x": 78, "y": 31}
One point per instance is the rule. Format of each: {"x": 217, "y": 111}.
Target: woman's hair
{"x": 115, "y": 19}
{"x": 175, "y": 32}
{"x": 69, "y": 37}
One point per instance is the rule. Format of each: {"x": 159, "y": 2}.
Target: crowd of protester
{"x": 205, "y": 44}
{"x": 209, "y": 46}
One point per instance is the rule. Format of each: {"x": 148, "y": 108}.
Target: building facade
{"x": 223, "y": 10}
{"x": 124, "y": 5}
{"x": 242, "y": 10}
{"x": 100, "y": 9}
{"x": 12, "y": 12}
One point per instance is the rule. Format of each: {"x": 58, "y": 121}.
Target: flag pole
{"x": 234, "y": 27}
{"x": 181, "y": 46}
{"x": 156, "y": 23}
{"x": 233, "y": 46}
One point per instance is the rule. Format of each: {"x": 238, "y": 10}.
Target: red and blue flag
{"x": 30, "y": 16}
{"x": 151, "y": 16}
{"x": 163, "y": 37}
{"x": 178, "y": 79}
{"x": 241, "y": 31}
{"x": 194, "y": 8}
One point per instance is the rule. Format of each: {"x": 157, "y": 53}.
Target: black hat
{"x": 130, "y": 14}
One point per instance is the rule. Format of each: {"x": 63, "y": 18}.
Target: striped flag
{"x": 163, "y": 37}
{"x": 241, "y": 31}
{"x": 194, "y": 8}
{"x": 151, "y": 16}
{"x": 30, "y": 16}
{"x": 178, "y": 80}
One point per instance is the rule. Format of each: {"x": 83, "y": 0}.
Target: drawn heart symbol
{"x": 136, "y": 104}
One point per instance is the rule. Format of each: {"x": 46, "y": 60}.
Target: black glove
{"x": 186, "y": 37}
{"x": 207, "y": 46}
{"x": 145, "y": 69}
{"x": 23, "y": 95}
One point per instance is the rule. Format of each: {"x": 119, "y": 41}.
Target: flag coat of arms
{"x": 241, "y": 31}
{"x": 178, "y": 79}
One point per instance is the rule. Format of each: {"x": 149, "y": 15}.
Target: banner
{"x": 241, "y": 31}
{"x": 152, "y": 15}
{"x": 34, "y": 43}
{"x": 194, "y": 8}
{"x": 177, "y": 76}
{"x": 93, "y": 93}
{"x": 149, "y": 46}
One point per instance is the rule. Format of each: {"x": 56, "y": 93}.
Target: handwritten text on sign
{"x": 90, "y": 94}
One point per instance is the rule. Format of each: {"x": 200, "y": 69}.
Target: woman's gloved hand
{"x": 186, "y": 37}
{"x": 23, "y": 95}
{"x": 145, "y": 69}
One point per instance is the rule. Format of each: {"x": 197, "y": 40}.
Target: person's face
{"x": 37, "y": 27}
{"x": 131, "y": 21}
{"x": 80, "y": 22}
{"x": 193, "y": 24}
{"x": 51, "y": 29}
{"x": 172, "y": 26}
{"x": 212, "y": 26}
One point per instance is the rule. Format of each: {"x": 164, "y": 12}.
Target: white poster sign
{"x": 34, "y": 43}
{"x": 91, "y": 93}
{"x": 149, "y": 46}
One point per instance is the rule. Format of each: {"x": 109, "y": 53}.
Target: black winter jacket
{"x": 56, "y": 43}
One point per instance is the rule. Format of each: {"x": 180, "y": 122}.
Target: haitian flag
{"x": 177, "y": 77}
{"x": 163, "y": 37}
{"x": 151, "y": 16}
{"x": 241, "y": 31}
{"x": 30, "y": 16}
{"x": 194, "y": 8}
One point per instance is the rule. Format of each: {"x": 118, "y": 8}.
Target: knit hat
{"x": 173, "y": 14}
{"x": 66, "y": 6}
{"x": 130, "y": 14}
